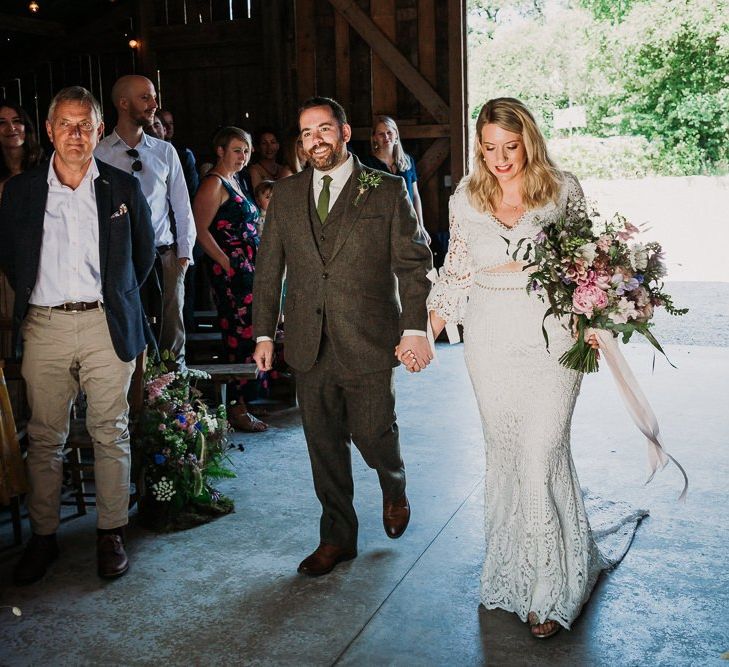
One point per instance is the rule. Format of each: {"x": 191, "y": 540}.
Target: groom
{"x": 349, "y": 240}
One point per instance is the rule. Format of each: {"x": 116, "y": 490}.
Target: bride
{"x": 543, "y": 556}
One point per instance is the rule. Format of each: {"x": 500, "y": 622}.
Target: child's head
{"x": 263, "y": 193}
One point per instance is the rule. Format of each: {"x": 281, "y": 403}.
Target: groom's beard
{"x": 328, "y": 160}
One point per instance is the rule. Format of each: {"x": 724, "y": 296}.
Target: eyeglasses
{"x": 85, "y": 126}
{"x": 134, "y": 154}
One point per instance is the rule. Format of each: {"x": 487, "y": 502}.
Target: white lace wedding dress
{"x": 543, "y": 553}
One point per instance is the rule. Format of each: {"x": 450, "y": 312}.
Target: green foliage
{"x": 604, "y": 157}
{"x": 656, "y": 70}
{"x": 610, "y": 10}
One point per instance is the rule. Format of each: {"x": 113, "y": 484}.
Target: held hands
{"x": 414, "y": 352}
{"x": 263, "y": 355}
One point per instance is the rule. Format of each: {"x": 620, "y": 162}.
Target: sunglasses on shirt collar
{"x": 134, "y": 154}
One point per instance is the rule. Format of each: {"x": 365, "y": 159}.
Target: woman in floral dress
{"x": 226, "y": 229}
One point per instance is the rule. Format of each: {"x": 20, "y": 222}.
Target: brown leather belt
{"x": 162, "y": 249}
{"x": 77, "y": 306}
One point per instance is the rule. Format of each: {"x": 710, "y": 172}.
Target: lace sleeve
{"x": 449, "y": 293}
{"x": 576, "y": 204}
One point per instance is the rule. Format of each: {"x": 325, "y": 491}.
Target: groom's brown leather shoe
{"x": 111, "y": 558}
{"x": 324, "y": 559}
{"x": 395, "y": 516}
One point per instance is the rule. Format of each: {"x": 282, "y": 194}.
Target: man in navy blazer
{"x": 76, "y": 242}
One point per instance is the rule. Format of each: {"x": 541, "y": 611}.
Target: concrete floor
{"x": 228, "y": 594}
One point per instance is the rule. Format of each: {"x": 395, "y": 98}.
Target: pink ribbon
{"x": 637, "y": 405}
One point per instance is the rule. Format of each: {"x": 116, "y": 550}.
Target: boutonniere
{"x": 122, "y": 210}
{"x": 366, "y": 180}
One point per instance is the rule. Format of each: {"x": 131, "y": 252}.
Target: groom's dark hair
{"x": 337, "y": 109}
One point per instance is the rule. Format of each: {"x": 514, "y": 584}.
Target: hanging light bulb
{"x": 34, "y": 7}
{"x": 133, "y": 43}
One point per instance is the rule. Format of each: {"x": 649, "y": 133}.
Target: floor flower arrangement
{"x": 181, "y": 452}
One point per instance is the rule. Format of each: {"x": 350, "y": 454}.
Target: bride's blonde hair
{"x": 541, "y": 177}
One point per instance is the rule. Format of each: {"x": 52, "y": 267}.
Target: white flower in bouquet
{"x": 639, "y": 257}
{"x": 625, "y": 310}
{"x": 588, "y": 252}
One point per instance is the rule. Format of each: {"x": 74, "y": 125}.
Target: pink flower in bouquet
{"x": 643, "y": 305}
{"x": 575, "y": 272}
{"x": 588, "y": 298}
{"x": 629, "y": 231}
{"x": 604, "y": 243}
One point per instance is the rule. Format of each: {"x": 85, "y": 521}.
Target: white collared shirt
{"x": 339, "y": 177}
{"x": 69, "y": 267}
{"x": 163, "y": 185}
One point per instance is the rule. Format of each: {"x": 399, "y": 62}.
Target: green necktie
{"x": 322, "y": 205}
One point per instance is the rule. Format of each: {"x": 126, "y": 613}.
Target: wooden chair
{"x": 13, "y": 484}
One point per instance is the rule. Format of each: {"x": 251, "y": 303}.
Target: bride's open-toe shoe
{"x": 542, "y": 630}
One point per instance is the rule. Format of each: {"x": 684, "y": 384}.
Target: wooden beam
{"x": 343, "y": 62}
{"x": 401, "y": 67}
{"x": 436, "y": 154}
{"x": 305, "y": 48}
{"x": 29, "y": 26}
{"x": 384, "y": 88}
{"x": 147, "y": 55}
{"x": 426, "y": 40}
{"x": 407, "y": 131}
{"x": 457, "y": 87}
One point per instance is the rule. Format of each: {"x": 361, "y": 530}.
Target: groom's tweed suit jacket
{"x": 366, "y": 280}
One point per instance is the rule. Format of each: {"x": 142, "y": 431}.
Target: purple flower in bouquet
{"x": 623, "y": 286}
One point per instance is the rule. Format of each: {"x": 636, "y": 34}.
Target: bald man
{"x": 155, "y": 164}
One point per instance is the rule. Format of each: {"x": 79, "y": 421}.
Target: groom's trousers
{"x": 341, "y": 405}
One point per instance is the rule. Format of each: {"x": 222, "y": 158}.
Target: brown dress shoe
{"x": 324, "y": 559}
{"x": 395, "y": 516}
{"x": 111, "y": 557}
{"x": 39, "y": 553}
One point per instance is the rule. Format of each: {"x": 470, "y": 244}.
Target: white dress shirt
{"x": 69, "y": 267}
{"x": 339, "y": 177}
{"x": 163, "y": 185}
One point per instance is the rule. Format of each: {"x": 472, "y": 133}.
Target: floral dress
{"x": 234, "y": 230}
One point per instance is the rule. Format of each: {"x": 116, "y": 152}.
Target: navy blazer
{"x": 126, "y": 248}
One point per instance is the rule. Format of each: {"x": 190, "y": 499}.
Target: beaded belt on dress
{"x": 506, "y": 280}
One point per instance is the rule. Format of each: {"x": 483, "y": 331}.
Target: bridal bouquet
{"x": 182, "y": 446}
{"x": 594, "y": 271}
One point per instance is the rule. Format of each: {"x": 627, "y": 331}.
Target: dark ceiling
{"x": 69, "y": 12}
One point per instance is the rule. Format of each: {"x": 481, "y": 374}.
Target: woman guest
{"x": 266, "y": 167}
{"x": 294, "y": 155}
{"x": 226, "y": 230}
{"x": 543, "y": 555}
{"x": 388, "y": 155}
{"x": 19, "y": 147}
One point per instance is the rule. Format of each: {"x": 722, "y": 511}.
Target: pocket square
{"x": 122, "y": 210}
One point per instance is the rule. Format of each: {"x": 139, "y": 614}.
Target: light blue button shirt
{"x": 163, "y": 185}
{"x": 69, "y": 268}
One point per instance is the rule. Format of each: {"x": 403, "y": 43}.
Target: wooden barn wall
{"x": 251, "y": 62}
{"x": 216, "y": 67}
{"x": 334, "y": 59}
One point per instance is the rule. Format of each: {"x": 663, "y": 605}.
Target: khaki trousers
{"x": 62, "y": 353}
{"x": 172, "y": 332}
